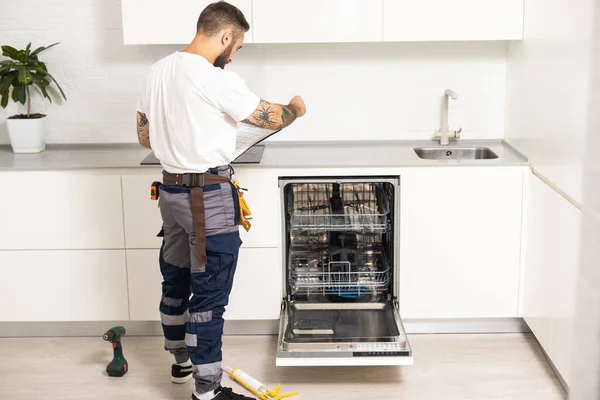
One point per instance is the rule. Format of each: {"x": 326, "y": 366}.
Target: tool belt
{"x": 195, "y": 181}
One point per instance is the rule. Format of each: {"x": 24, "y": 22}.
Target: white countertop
{"x": 276, "y": 155}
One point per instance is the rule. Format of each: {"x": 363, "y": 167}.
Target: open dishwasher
{"x": 341, "y": 281}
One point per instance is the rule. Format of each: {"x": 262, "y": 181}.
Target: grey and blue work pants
{"x": 193, "y": 326}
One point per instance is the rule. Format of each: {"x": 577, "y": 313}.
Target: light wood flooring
{"x": 447, "y": 367}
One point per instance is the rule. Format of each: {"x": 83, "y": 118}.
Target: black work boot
{"x": 225, "y": 393}
{"x": 181, "y": 374}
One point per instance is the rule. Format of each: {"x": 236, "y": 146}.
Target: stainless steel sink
{"x": 455, "y": 153}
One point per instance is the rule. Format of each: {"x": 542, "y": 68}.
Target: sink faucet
{"x": 444, "y": 133}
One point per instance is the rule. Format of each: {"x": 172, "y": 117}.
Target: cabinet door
{"x": 140, "y": 213}
{"x": 256, "y": 290}
{"x": 550, "y": 272}
{"x": 143, "y": 220}
{"x": 63, "y": 285}
{"x": 317, "y": 21}
{"x": 439, "y": 20}
{"x": 460, "y": 233}
{"x": 144, "y": 279}
{"x": 61, "y": 210}
{"x": 169, "y": 22}
{"x": 264, "y": 203}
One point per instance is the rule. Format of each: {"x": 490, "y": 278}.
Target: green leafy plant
{"x": 21, "y": 71}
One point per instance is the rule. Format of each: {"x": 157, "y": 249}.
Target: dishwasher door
{"x": 351, "y": 334}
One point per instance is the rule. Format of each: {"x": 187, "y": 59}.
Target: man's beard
{"x": 223, "y": 59}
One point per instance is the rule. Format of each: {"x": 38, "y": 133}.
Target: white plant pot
{"x": 27, "y": 135}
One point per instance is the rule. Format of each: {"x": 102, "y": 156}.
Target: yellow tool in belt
{"x": 245, "y": 213}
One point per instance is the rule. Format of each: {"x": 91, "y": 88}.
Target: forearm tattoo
{"x": 142, "y": 127}
{"x": 288, "y": 115}
{"x": 267, "y": 116}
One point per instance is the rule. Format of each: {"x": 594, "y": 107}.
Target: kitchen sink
{"x": 455, "y": 153}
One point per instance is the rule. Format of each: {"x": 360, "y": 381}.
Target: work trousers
{"x": 194, "y": 295}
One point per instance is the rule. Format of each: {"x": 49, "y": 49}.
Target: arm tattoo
{"x": 142, "y": 128}
{"x": 143, "y": 121}
{"x": 288, "y": 115}
{"x": 264, "y": 116}
{"x": 267, "y": 116}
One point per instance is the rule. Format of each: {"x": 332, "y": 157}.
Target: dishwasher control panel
{"x": 373, "y": 349}
{"x": 379, "y": 347}
{"x": 380, "y": 354}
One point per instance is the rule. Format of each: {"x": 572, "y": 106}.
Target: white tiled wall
{"x": 353, "y": 91}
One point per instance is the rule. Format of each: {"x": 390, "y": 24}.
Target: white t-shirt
{"x": 193, "y": 108}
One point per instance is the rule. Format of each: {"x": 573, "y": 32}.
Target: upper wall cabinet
{"x": 332, "y": 21}
{"x": 447, "y": 20}
{"x": 317, "y": 21}
{"x": 168, "y": 22}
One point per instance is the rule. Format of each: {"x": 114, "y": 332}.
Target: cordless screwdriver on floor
{"x": 118, "y": 366}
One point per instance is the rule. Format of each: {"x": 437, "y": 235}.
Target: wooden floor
{"x": 447, "y": 367}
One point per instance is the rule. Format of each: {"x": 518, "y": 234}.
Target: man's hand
{"x": 143, "y": 130}
{"x": 299, "y": 104}
{"x": 276, "y": 116}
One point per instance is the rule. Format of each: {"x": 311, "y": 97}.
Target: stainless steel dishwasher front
{"x": 341, "y": 280}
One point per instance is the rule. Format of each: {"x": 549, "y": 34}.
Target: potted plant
{"x": 22, "y": 71}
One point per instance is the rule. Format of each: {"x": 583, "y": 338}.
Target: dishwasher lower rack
{"x": 347, "y": 273}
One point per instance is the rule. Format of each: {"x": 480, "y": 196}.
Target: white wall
{"x": 548, "y": 86}
{"x": 586, "y": 369}
{"x": 353, "y": 91}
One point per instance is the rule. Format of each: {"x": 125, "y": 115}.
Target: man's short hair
{"x": 222, "y": 15}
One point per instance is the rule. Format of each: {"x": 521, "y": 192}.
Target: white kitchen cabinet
{"x": 144, "y": 280}
{"x": 61, "y": 210}
{"x": 169, "y": 22}
{"x": 143, "y": 220}
{"x": 460, "y": 233}
{"x": 263, "y": 199}
{"x": 317, "y": 21}
{"x": 63, "y": 285}
{"x": 141, "y": 214}
{"x": 445, "y": 20}
{"x": 541, "y": 238}
{"x": 552, "y": 243}
{"x": 331, "y": 21}
{"x": 256, "y": 293}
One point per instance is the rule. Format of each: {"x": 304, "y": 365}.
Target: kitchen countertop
{"x": 276, "y": 155}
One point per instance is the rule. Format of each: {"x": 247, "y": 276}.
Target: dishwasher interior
{"x": 340, "y": 301}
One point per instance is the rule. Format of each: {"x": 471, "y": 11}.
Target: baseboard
{"x": 134, "y": 328}
{"x": 466, "y": 325}
{"x": 254, "y": 327}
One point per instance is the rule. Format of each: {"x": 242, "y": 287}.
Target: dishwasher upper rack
{"x": 357, "y": 207}
{"x": 312, "y": 271}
